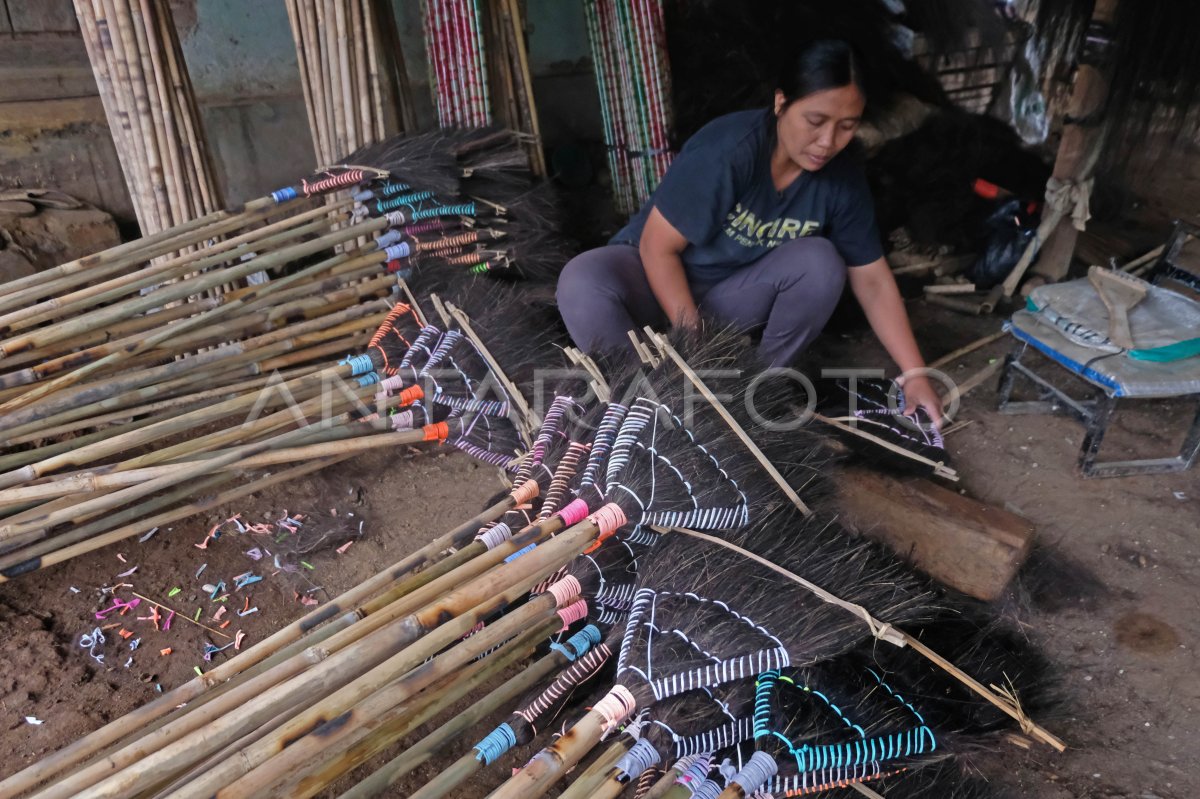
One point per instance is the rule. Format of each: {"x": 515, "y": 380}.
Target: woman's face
{"x": 814, "y": 129}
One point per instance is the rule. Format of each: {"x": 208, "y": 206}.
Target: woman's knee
{"x": 812, "y": 265}
{"x": 593, "y": 273}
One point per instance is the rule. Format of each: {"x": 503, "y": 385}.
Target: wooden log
{"x": 962, "y": 542}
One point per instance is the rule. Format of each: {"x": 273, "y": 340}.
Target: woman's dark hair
{"x": 819, "y": 65}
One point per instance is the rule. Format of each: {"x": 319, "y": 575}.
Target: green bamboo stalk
{"x": 267, "y": 653}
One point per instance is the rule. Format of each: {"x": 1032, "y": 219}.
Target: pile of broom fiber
{"x": 131, "y": 396}
{"x": 645, "y": 581}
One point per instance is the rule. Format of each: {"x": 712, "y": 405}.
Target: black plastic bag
{"x": 1010, "y": 229}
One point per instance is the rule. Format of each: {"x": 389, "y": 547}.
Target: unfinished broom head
{"x": 688, "y": 725}
{"x": 697, "y": 596}
{"x": 877, "y": 407}
{"x": 423, "y": 161}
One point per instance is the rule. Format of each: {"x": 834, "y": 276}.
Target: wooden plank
{"x": 5, "y": 25}
{"x": 45, "y": 69}
{"x": 962, "y": 542}
{"x": 42, "y": 16}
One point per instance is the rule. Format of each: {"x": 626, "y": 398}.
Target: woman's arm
{"x": 875, "y": 289}
{"x": 660, "y": 247}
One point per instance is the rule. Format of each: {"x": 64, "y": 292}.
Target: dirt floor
{"x": 1110, "y": 592}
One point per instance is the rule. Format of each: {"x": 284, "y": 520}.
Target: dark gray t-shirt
{"x": 719, "y": 194}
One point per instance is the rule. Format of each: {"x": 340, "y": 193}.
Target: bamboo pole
{"x": 596, "y": 781}
{"x": 448, "y": 779}
{"x": 361, "y": 668}
{"x": 75, "y": 376}
{"x": 552, "y": 762}
{"x": 180, "y": 291}
{"x": 122, "y": 285}
{"x": 89, "y": 483}
{"x": 413, "y": 713}
{"x": 342, "y": 607}
{"x": 91, "y": 544}
{"x": 286, "y": 774}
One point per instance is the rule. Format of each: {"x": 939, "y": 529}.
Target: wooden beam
{"x": 961, "y": 542}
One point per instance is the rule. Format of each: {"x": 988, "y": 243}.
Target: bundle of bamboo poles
{"x": 104, "y": 357}
{"x": 457, "y": 62}
{"x": 354, "y": 84}
{"x": 629, "y": 56}
{"x": 151, "y": 110}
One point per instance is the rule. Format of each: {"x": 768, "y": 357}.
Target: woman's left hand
{"x": 919, "y": 393}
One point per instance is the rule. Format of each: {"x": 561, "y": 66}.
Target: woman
{"x": 759, "y": 221}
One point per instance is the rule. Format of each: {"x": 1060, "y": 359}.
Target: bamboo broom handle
{"x": 90, "y": 545}
{"x": 250, "y": 347}
{"x": 77, "y": 375}
{"x": 181, "y": 345}
{"x": 30, "y": 556}
{"x": 420, "y": 752}
{"x": 552, "y": 762}
{"x": 135, "y": 325}
{"x": 286, "y": 773}
{"x": 88, "y": 483}
{"x": 268, "y": 425}
{"x": 154, "y": 273}
{"x": 302, "y": 735}
{"x": 118, "y": 443}
{"x": 353, "y": 333}
{"x": 110, "y": 501}
{"x": 229, "y": 381}
{"x": 384, "y": 655}
{"x": 181, "y": 291}
{"x": 340, "y": 607}
{"x": 256, "y": 327}
{"x": 122, "y": 256}
{"x": 381, "y": 738}
{"x": 597, "y": 780}
{"x": 139, "y": 385}
{"x": 418, "y": 711}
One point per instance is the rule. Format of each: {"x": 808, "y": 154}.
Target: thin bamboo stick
{"x": 341, "y": 608}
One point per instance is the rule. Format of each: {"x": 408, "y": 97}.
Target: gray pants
{"x": 789, "y": 294}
